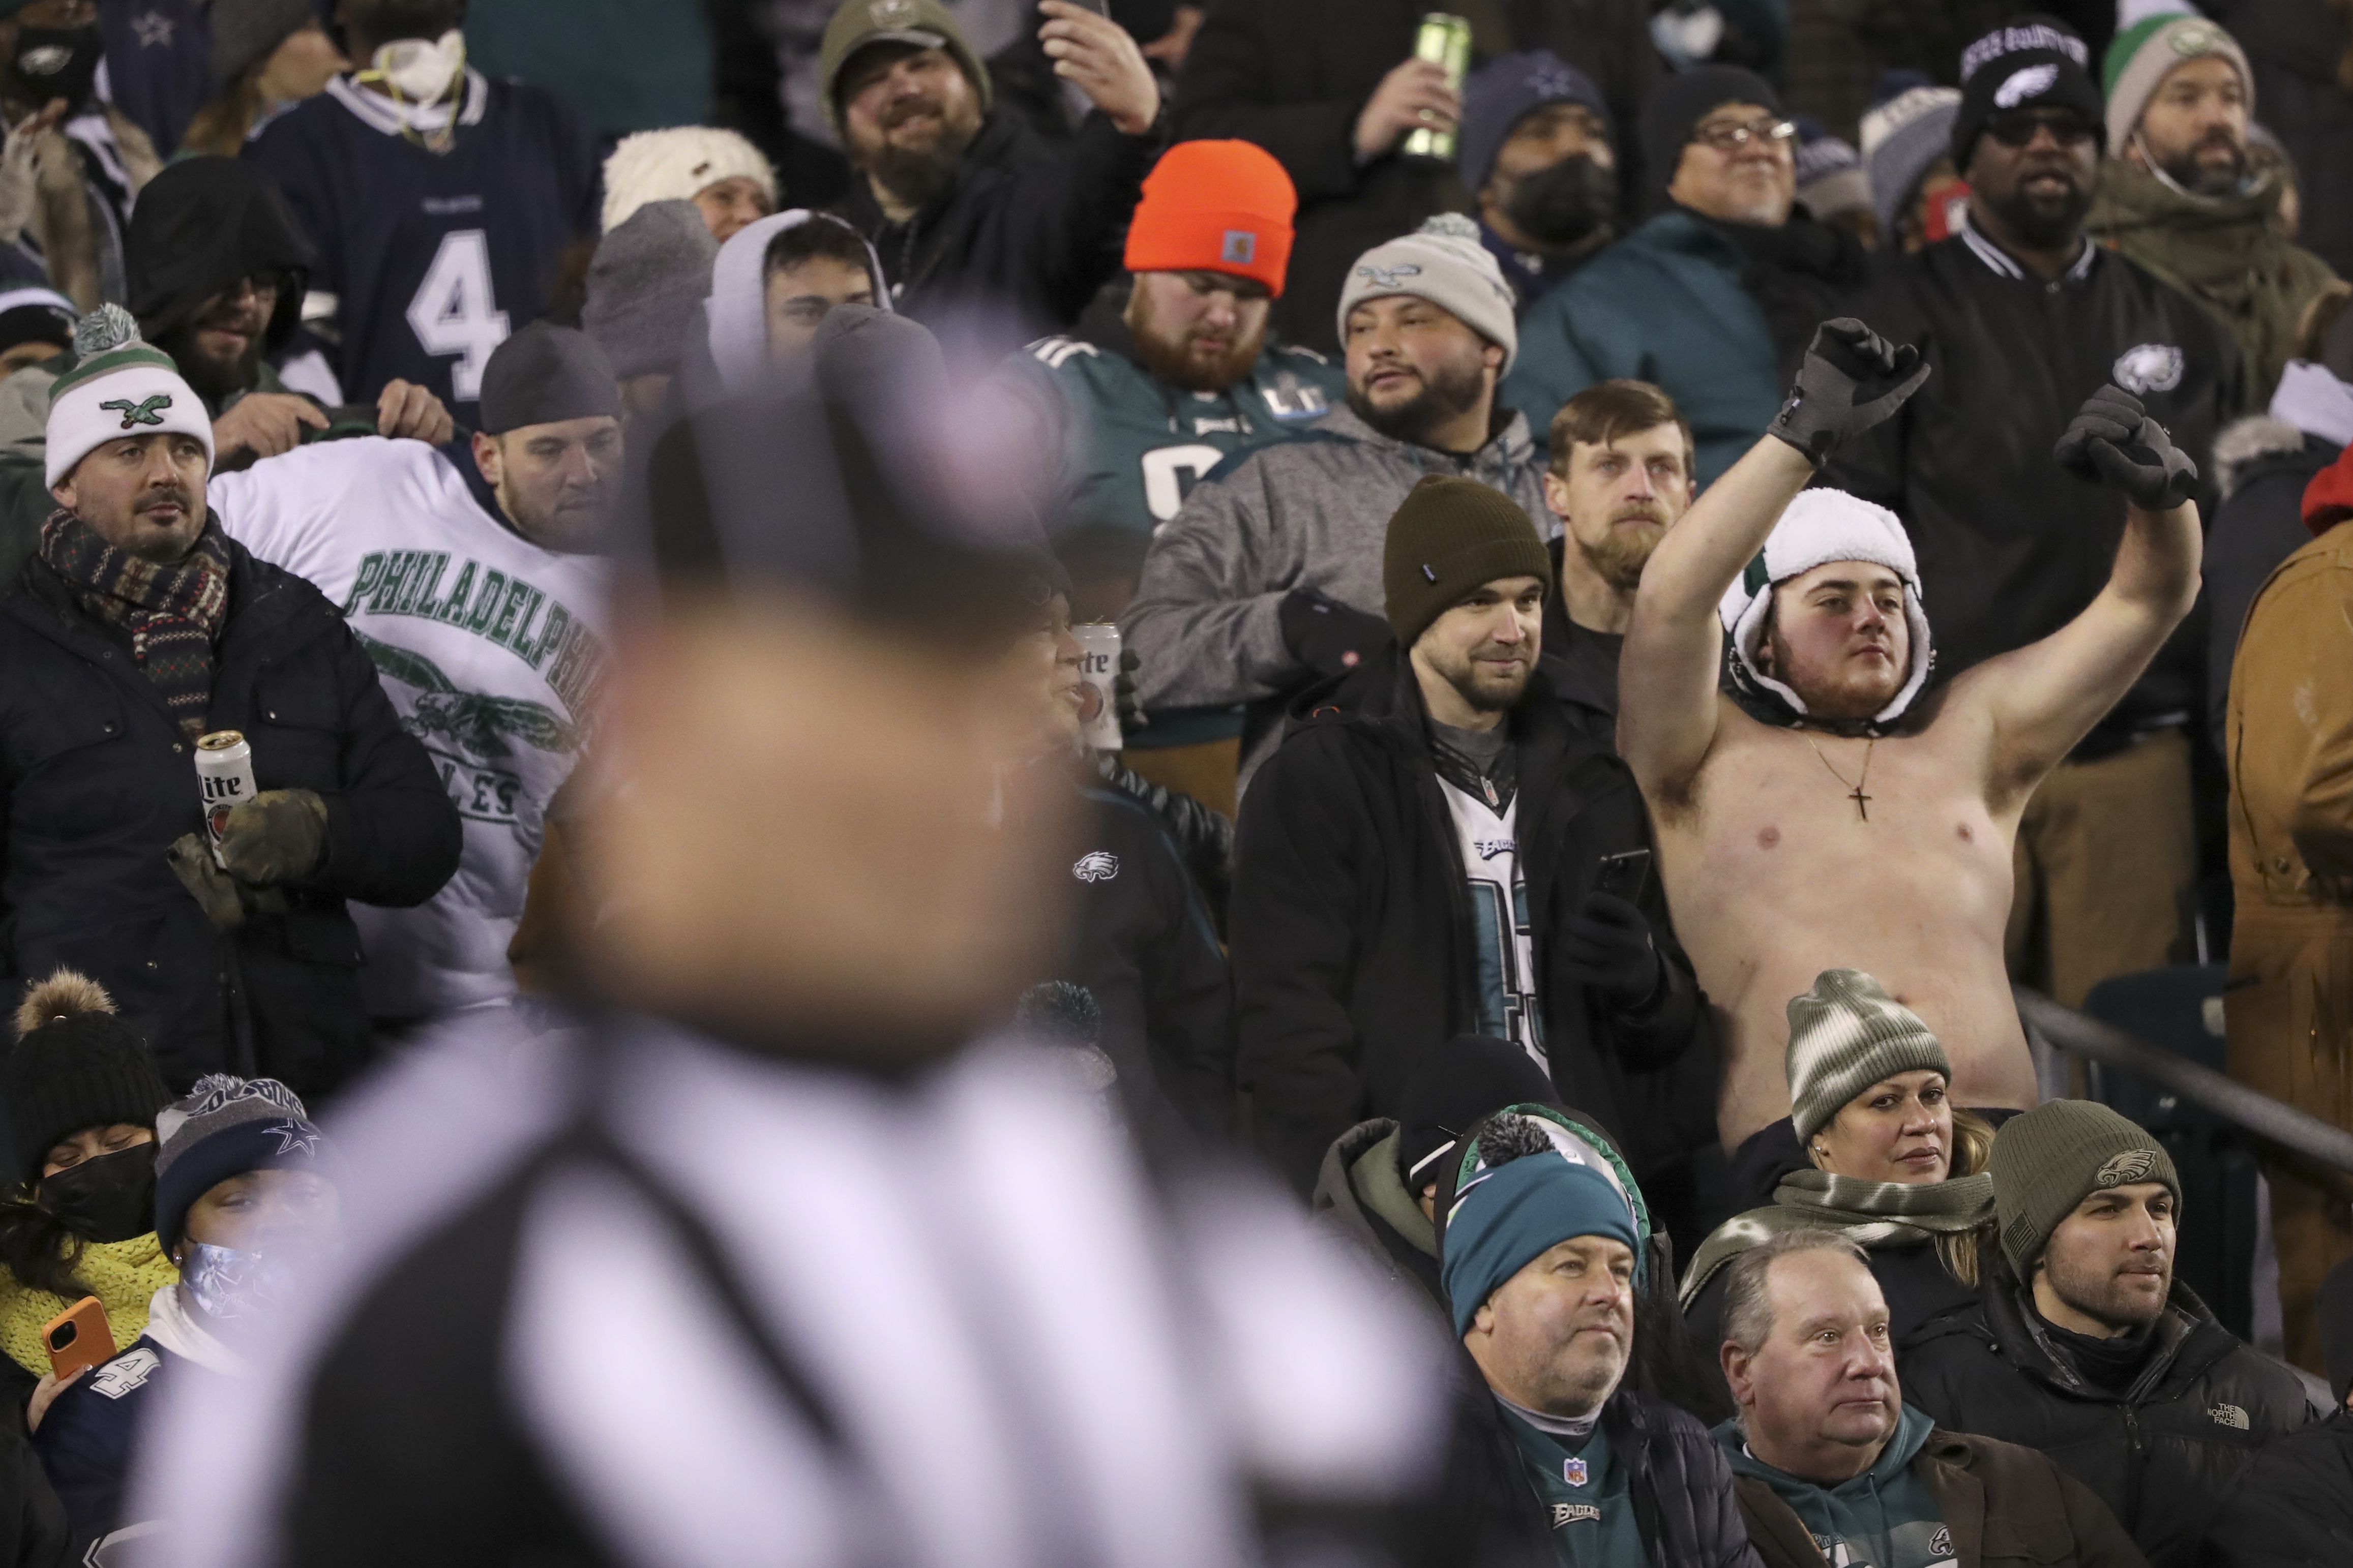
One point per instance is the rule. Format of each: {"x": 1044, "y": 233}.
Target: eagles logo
{"x": 2132, "y": 1166}
{"x": 1101, "y": 866}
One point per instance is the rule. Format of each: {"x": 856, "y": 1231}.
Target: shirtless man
{"x": 1789, "y": 841}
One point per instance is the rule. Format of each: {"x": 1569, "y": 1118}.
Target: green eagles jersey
{"x": 1584, "y": 1488}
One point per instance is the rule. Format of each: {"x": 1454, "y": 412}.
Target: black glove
{"x": 1608, "y": 948}
{"x": 1327, "y": 636}
{"x": 1853, "y": 379}
{"x": 279, "y": 835}
{"x": 1124, "y": 698}
{"x": 2113, "y": 439}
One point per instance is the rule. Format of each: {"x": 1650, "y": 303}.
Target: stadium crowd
{"x": 1096, "y": 782}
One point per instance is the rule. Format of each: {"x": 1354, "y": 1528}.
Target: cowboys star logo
{"x": 295, "y": 1138}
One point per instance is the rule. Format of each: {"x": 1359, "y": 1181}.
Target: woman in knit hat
{"x": 79, "y": 1096}
{"x": 1897, "y": 1168}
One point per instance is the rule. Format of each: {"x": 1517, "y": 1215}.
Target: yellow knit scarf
{"x": 123, "y": 1275}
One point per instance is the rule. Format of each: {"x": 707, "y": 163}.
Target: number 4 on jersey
{"x": 454, "y": 313}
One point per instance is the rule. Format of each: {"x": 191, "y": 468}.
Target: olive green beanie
{"x": 2047, "y": 1161}
{"x": 1448, "y": 539}
{"x": 1845, "y": 1035}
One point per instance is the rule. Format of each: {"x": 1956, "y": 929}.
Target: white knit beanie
{"x": 120, "y": 386}
{"x": 675, "y": 163}
{"x": 1442, "y": 262}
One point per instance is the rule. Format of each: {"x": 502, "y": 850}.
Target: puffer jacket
{"x": 2162, "y": 1459}
{"x": 1359, "y": 1194}
{"x": 2294, "y": 1507}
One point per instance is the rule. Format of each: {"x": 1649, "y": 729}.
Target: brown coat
{"x": 2006, "y": 1507}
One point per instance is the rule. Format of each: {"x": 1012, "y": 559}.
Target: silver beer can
{"x": 225, "y": 775}
{"x": 1099, "y": 703}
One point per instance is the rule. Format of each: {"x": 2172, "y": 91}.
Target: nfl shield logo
{"x": 1573, "y": 1471}
{"x": 1240, "y": 247}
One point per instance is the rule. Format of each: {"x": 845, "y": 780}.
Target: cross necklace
{"x": 1861, "y": 801}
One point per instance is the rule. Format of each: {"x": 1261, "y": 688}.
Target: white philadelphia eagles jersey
{"x": 491, "y": 648}
{"x": 1499, "y": 921}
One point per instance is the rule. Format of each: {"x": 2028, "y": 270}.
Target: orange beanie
{"x": 1215, "y": 207}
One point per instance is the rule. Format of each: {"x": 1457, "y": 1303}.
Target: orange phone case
{"x": 79, "y": 1337}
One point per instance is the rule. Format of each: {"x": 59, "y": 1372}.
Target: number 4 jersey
{"x": 430, "y": 257}
{"x": 491, "y": 648}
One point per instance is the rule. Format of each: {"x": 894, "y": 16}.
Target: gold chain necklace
{"x": 1861, "y": 801}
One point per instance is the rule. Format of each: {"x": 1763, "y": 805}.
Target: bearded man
{"x": 969, "y": 207}
{"x": 1789, "y": 843}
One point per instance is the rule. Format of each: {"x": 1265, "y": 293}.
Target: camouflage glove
{"x": 1126, "y": 702}
{"x": 1853, "y": 379}
{"x": 279, "y": 835}
{"x": 2112, "y": 439}
{"x": 215, "y": 890}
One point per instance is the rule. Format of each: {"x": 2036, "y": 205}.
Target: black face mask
{"x": 111, "y": 1198}
{"x": 1562, "y": 203}
{"x": 58, "y": 62}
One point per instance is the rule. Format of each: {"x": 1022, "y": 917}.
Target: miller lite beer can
{"x": 225, "y": 775}
{"x": 1099, "y": 698}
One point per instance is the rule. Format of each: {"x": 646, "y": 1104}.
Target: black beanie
{"x": 2031, "y": 61}
{"x": 1450, "y": 538}
{"x": 1674, "y": 107}
{"x": 74, "y": 1064}
{"x": 545, "y": 374}
{"x": 1450, "y": 1090}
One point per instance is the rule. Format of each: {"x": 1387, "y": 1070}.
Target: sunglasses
{"x": 1731, "y": 135}
{"x": 2018, "y": 130}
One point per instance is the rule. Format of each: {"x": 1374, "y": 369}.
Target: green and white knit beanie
{"x": 2142, "y": 56}
{"x": 120, "y": 386}
{"x": 2051, "y": 1158}
{"x": 1845, "y": 1035}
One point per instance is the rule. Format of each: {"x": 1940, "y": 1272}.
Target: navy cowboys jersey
{"x": 432, "y": 258}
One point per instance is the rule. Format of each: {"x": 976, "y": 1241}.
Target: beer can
{"x": 1099, "y": 700}
{"x": 1444, "y": 40}
{"x": 224, "y": 777}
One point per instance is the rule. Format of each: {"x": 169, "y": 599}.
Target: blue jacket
{"x": 1664, "y": 305}
{"x": 85, "y": 1440}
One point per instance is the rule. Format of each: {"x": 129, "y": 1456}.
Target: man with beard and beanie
{"x": 440, "y": 201}
{"x": 525, "y": 1204}
{"x": 1418, "y": 861}
{"x": 1539, "y": 156}
{"x": 2180, "y": 194}
{"x": 968, "y": 206}
{"x": 1713, "y": 300}
{"x": 2021, "y": 316}
{"x": 2084, "y": 1346}
{"x": 139, "y": 627}
{"x": 1137, "y": 408}
{"x": 1788, "y": 842}
{"x": 1270, "y": 576}
{"x": 53, "y": 50}
{"x": 479, "y": 590}
{"x": 2294, "y": 1507}
{"x": 1617, "y": 476}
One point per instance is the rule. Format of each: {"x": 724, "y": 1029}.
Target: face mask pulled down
{"x": 109, "y": 1199}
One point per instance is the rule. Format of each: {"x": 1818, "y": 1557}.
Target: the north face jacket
{"x": 2162, "y": 1459}
{"x": 2294, "y": 1509}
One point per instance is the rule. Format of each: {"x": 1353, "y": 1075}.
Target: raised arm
{"x": 2044, "y": 697}
{"x": 1667, "y": 709}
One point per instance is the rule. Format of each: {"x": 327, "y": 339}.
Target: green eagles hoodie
{"x": 1883, "y": 1518}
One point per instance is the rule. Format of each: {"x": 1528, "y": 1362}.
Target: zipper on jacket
{"x": 2135, "y": 1452}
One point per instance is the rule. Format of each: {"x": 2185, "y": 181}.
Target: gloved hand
{"x": 1853, "y": 379}
{"x": 2113, "y": 439}
{"x": 279, "y": 835}
{"x": 1326, "y": 636}
{"x": 1608, "y": 948}
{"x": 1124, "y": 700}
{"x": 215, "y": 890}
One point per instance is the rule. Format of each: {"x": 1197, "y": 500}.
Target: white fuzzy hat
{"x": 673, "y": 164}
{"x": 1817, "y": 527}
{"x": 1444, "y": 262}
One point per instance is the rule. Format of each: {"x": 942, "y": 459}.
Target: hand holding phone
{"x": 79, "y": 1337}
{"x": 1623, "y": 876}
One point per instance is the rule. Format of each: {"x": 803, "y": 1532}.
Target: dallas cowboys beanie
{"x": 2047, "y": 1161}
{"x": 1845, "y": 1035}
{"x": 225, "y": 1127}
{"x": 2030, "y": 62}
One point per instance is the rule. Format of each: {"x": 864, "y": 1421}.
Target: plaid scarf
{"x": 174, "y": 613}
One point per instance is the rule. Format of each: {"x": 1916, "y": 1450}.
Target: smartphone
{"x": 79, "y": 1337}
{"x": 1623, "y": 876}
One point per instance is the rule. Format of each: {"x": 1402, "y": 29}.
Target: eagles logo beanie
{"x": 1845, "y": 1035}
{"x": 1450, "y": 538}
{"x": 2145, "y": 54}
{"x": 1444, "y": 262}
{"x": 2049, "y": 1160}
{"x": 120, "y": 386}
{"x": 2028, "y": 62}
{"x": 225, "y": 1127}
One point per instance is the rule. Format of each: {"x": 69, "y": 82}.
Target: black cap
{"x": 2032, "y": 61}
{"x": 544, "y": 375}
{"x": 1452, "y": 1089}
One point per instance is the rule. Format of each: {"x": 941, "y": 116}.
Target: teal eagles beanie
{"x": 1511, "y": 1213}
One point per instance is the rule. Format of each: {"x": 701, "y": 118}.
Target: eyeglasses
{"x": 2018, "y": 130}
{"x": 1731, "y": 135}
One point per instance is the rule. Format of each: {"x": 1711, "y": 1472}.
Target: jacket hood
{"x": 1912, "y": 1429}
{"x": 1507, "y": 449}
{"x": 202, "y": 225}
{"x": 735, "y": 316}
{"x": 1360, "y": 1177}
{"x": 2189, "y": 1339}
{"x": 2224, "y": 244}
{"x": 2261, "y": 443}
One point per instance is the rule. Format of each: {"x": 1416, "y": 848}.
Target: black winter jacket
{"x": 2163, "y": 1459}
{"x": 1025, "y": 226}
{"x": 1681, "y": 1487}
{"x": 97, "y": 780}
{"x": 2294, "y": 1509}
{"x": 1352, "y": 940}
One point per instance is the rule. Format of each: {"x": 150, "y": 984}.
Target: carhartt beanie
{"x": 1448, "y": 539}
{"x": 1452, "y": 1089}
{"x": 646, "y": 287}
{"x": 1215, "y": 207}
{"x": 1902, "y": 140}
{"x": 1444, "y": 262}
{"x": 2143, "y": 55}
{"x": 1673, "y": 108}
{"x": 225, "y": 1127}
{"x": 120, "y": 386}
{"x": 74, "y": 1064}
{"x": 1507, "y": 89}
{"x": 1845, "y": 1035}
{"x": 2047, "y": 1161}
{"x": 2031, "y": 61}
{"x": 674, "y": 164}
{"x": 926, "y": 24}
